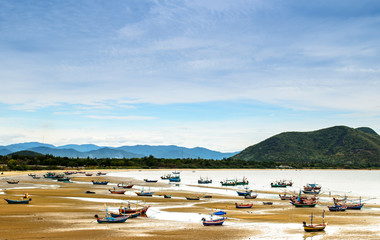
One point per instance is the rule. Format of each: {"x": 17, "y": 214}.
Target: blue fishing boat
{"x": 244, "y": 192}
{"x": 175, "y": 179}
{"x": 215, "y": 221}
{"x": 355, "y": 206}
{"x": 99, "y": 182}
{"x": 204, "y": 180}
{"x": 337, "y": 208}
{"x": 142, "y": 193}
{"x": 23, "y": 201}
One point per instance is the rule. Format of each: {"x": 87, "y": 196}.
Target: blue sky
{"x": 217, "y": 74}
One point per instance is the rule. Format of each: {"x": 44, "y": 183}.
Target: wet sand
{"x": 57, "y": 212}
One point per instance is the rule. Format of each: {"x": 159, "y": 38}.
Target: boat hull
{"x": 10, "y": 201}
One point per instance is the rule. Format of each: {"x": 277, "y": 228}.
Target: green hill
{"x": 25, "y": 153}
{"x": 335, "y": 146}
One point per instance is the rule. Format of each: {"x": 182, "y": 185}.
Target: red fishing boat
{"x": 249, "y": 205}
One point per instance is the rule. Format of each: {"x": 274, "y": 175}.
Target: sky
{"x": 218, "y": 74}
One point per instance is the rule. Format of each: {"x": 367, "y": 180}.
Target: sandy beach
{"x": 61, "y": 210}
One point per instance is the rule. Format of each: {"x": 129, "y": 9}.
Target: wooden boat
{"x": 166, "y": 177}
{"x": 167, "y": 196}
{"x": 312, "y": 186}
{"x": 192, "y": 198}
{"x": 207, "y": 196}
{"x": 124, "y": 210}
{"x": 89, "y": 192}
{"x": 129, "y": 215}
{"x": 250, "y": 196}
{"x": 249, "y": 205}
{"x": 244, "y": 193}
{"x": 278, "y": 184}
{"x": 114, "y": 191}
{"x": 304, "y": 203}
{"x": 36, "y": 177}
{"x": 268, "y": 203}
{"x": 67, "y": 179}
{"x": 218, "y": 221}
{"x": 88, "y": 174}
{"x": 99, "y": 182}
{"x": 31, "y": 174}
{"x": 121, "y": 185}
{"x": 111, "y": 219}
{"x": 228, "y": 182}
{"x": 355, "y": 206}
{"x": 144, "y": 194}
{"x": 204, "y": 180}
{"x": 23, "y": 201}
{"x": 337, "y": 208}
{"x": 285, "y": 197}
{"x": 315, "y": 227}
{"x": 244, "y": 181}
{"x": 176, "y": 172}
{"x": 151, "y": 181}
{"x": 12, "y": 182}
{"x": 101, "y": 173}
{"x": 175, "y": 179}
{"x": 312, "y": 191}
{"x": 49, "y": 175}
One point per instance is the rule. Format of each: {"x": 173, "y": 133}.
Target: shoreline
{"x": 58, "y": 211}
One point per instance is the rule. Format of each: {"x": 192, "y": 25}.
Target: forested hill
{"x": 339, "y": 145}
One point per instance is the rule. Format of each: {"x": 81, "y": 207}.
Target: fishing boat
{"x": 312, "y": 186}
{"x": 150, "y": 181}
{"x": 167, "y": 196}
{"x": 267, "y": 203}
{"x": 207, "y": 196}
{"x": 97, "y": 182}
{"x": 128, "y": 210}
{"x": 175, "y": 179}
{"x": 166, "y": 177}
{"x": 114, "y": 191}
{"x": 129, "y": 215}
{"x": 23, "y": 201}
{"x": 337, "y": 208}
{"x": 244, "y": 181}
{"x": 315, "y": 227}
{"x": 88, "y": 174}
{"x": 36, "y": 177}
{"x": 101, "y": 173}
{"x": 244, "y": 192}
{"x": 278, "y": 184}
{"x": 142, "y": 193}
{"x": 285, "y": 197}
{"x": 302, "y": 201}
{"x": 111, "y": 219}
{"x": 312, "y": 191}
{"x": 192, "y": 198}
{"x": 204, "y": 180}
{"x": 89, "y": 192}
{"x": 228, "y": 182}
{"x": 121, "y": 185}
{"x": 215, "y": 221}
{"x": 250, "y": 196}
{"x": 355, "y": 206}
{"x": 49, "y": 175}
{"x": 176, "y": 172}
{"x": 12, "y": 182}
{"x": 249, "y": 205}
{"x": 67, "y": 179}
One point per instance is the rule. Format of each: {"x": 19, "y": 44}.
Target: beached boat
{"x": 101, "y": 173}
{"x": 142, "y": 193}
{"x": 207, "y": 196}
{"x": 129, "y": 215}
{"x": 244, "y": 181}
{"x": 167, "y": 196}
{"x": 22, "y": 201}
{"x": 249, "y": 205}
{"x": 150, "y": 181}
{"x": 215, "y": 221}
{"x": 302, "y": 201}
{"x": 89, "y": 192}
{"x": 312, "y": 191}
{"x": 166, "y": 177}
{"x": 250, "y": 196}
{"x": 192, "y": 198}
{"x": 114, "y": 191}
{"x": 312, "y": 186}
{"x": 228, "y": 182}
{"x": 176, "y": 172}
{"x": 267, "y": 203}
{"x": 121, "y": 185}
{"x": 49, "y": 175}
{"x": 111, "y": 219}
{"x": 12, "y": 182}
{"x": 244, "y": 192}
{"x": 337, "y": 208}
{"x": 36, "y": 177}
{"x": 66, "y": 179}
{"x": 315, "y": 227}
{"x": 278, "y": 184}
{"x": 97, "y": 182}
{"x": 128, "y": 210}
{"x": 175, "y": 179}
{"x": 285, "y": 197}
{"x": 88, "y": 174}
{"x": 204, "y": 180}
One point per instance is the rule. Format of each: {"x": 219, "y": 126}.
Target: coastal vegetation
{"x": 335, "y": 147}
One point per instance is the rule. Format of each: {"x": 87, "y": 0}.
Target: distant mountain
{"x": 81, "y": 147}
{"x": 339, "y": 144}
{"x": 24, "y": 146}
{"x": 94, "y": 151}
{"x": 4, "y": 151}
{"x": 173, "y": 151}
{"x": 25, "y": 153}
